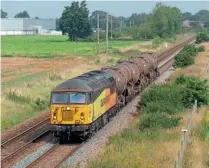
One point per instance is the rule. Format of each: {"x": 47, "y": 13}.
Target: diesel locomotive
{"x": 82, "y": 105}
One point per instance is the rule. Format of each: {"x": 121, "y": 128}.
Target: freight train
{"x": 82, "y": 105}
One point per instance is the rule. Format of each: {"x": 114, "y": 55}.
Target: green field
{"x": 52, "y": 46}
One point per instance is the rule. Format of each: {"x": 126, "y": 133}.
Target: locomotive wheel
{"x": 62, "y": 139}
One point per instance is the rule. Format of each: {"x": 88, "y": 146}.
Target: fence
{"x": 184, "y": 142}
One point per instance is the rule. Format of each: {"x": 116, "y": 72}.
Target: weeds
{"x": 132, "y": 53}
{"x": 25, "y": 108}
{"x": 201, "y": 48}
{"x": 97, "y": 61}
{"x": 204, "y": 129}
{"x": 110, "y": 61}
{"x": 55, "y": 76}
{"x": 17, "y": 97}
{"x": 117, "y": 52}
{"x": 158, "y": 120}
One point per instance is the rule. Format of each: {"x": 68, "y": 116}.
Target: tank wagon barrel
{"x": 120, "y": 78}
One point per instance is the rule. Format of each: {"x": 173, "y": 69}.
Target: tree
{"x": 201, "y": 15}
{"x": 74, "y": 21}
{"x": 165, "y": 21}
{"x": 187, "y": 16}
{"x": 3, "y": 14}
{"x": 23, "y": 14}
{"x": 137, "y": 19}
{"x": 102, "y": 20}
{"x": 206, "y": 25}
{"x": 37, "y": 17}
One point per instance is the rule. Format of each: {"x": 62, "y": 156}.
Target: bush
{"x": 190, "y": 50}
{"x": 115, "y": 34}
{"x": 201, "y": 48}
{"x": 40, "y": 105}
{"x": 156, "y": 42}
{"x": 160, "y": 102}
{"x": 193, "y": 88}
{"x": 92, "y": 38}
{"x": 158, "y": 120}
{"x": 202, "y": 37}
{"x": 186, "y": 56}
{"x": 161, "y": 106}
{"x": 183, "y": 60}
{"x": 161, "y": 94}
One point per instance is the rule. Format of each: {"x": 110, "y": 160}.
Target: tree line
{"x": 202, "y": 15}
{"x": 162, "y": 22}
{"x": 23, "y": 14}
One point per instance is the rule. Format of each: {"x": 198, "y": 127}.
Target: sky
{"x": 53, "y": 9}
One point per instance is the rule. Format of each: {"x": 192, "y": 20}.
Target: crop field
{"x": 52, "y": 46}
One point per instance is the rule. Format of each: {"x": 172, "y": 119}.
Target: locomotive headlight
{"x": 82, "y": 116}
{"x": 54, "y": 116}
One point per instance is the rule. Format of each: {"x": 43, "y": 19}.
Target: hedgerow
{"x": 160, "y": 103}
{"x": 186, "y": 56}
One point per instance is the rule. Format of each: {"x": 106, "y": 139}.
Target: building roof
{"x": 20, "y": 24}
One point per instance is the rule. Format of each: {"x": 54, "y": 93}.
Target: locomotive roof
{"x": 90, "y": 81}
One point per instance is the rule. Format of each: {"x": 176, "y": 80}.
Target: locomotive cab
{"x": 79, "y": 106}
{"x": 70, "y": 108}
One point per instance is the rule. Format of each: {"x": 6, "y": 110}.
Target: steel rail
{"x": 24, "y": 146}
{"x": 24, "y": 132}
{"x": 51, "y": 150}
{"x": 69, "y": 154}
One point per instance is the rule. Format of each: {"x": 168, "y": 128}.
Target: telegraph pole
{"x": 97, "y": 32}
{"x": 111, "y": 27}
{"x": 120, "y": 24}
{"x": 107, "y": 34}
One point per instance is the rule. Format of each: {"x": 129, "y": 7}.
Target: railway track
{"x": 166, "y": 58}
{"x": 57, "y": 155}
{"x": 15, "y": 145}
{"x": 167, "y": 53}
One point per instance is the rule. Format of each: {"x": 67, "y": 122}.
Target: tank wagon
{"x": 82, "y": 105}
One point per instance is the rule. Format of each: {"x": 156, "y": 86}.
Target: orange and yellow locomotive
{"x": 82, "y": 105}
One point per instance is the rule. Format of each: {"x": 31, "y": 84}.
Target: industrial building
{"x": 23, "y": 26}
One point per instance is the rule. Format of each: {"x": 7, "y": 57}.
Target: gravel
{"x": 30, "y": 158}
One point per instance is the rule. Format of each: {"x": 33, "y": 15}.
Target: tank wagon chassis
{"x": 130, "y": 78}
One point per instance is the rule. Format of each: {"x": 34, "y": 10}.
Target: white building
{"x": 22, "y": 26}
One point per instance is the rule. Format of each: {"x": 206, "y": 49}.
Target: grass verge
{"x": 159, "y": 127}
